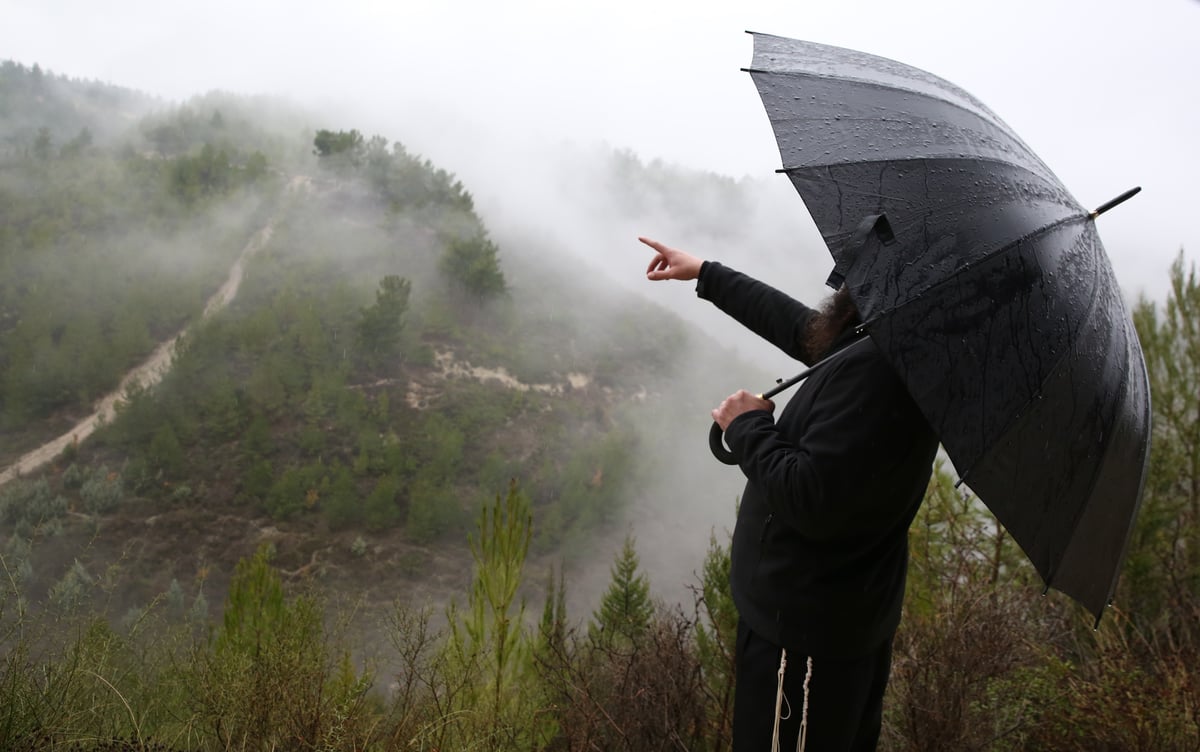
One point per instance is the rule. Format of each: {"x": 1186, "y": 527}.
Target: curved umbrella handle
{"x": 716, "y": 444}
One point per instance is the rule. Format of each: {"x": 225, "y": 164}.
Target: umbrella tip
{"x": 1113, "y": 202}
{"x": 1100, "y": 615}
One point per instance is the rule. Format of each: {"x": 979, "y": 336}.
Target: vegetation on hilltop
{"x": 105, "y": 249}
{"x": 40, "y": 108}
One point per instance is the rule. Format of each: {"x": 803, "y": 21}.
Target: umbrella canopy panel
{"x": 995, "y": 302}
{"x": 862, "y": 135}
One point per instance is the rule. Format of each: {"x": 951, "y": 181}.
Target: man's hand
{"x": 671, "y": 263}
{"x": 737, "y": 403}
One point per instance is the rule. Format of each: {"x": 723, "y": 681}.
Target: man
{"x": 820, "y": 549}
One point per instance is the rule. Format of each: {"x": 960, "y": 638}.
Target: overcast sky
{"x": 1104, "y": 90}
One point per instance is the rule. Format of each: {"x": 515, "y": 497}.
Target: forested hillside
{"x": 380, "y": 371}
{"x": 380, "y": 434}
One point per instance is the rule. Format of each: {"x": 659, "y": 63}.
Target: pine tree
{"x": 552, "y": 629}
{"x": 488, "y": 653}
{"x": 255, "y": 610}
{"x": 716, "y": 640}
{"x": 381, "y": 325}
{"x": 626, "y": 609}
{"x": 1162, "y": 573}
{"x": 165, "y": 453}
{"x": 473, "y": 266}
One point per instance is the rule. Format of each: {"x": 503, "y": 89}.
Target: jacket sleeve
{"x": 769, "y": 313}
{"x": 824, "y": 480}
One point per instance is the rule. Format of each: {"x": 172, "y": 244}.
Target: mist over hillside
{"x": 577, "y": 211}
{"x": 32, "y": 99}
{"x": 324, "y": 404}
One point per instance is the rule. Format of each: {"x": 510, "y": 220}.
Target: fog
{"x": 1102, "y": 91}
{"x": 526, "y": 102}
{"x": 578, "y": 220}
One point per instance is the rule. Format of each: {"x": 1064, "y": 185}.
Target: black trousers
{"x": 845, "y": 698}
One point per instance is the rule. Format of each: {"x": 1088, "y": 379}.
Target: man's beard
{"x": 837, "y": 314}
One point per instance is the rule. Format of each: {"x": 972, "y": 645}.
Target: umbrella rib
{"x": 989, "y": 255}
{"x": 975, "y": 107}
{"x": 885, "y": 161}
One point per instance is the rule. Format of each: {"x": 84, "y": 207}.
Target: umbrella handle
{"x": 716, "y": 443}
{"x": 716, "y": 440}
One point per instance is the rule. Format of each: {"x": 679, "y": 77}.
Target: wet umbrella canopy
{"x": 985, "y": 284}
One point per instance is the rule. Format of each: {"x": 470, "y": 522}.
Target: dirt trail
{"x": 152, "y": 370}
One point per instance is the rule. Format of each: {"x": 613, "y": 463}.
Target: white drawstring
{"x": 804, "y": 709}
{"x": 780, "y": 699}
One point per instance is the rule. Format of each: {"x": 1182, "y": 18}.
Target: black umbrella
{"x": 985, "y": 285}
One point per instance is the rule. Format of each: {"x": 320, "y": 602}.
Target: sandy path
{"x": 151, "y": 370}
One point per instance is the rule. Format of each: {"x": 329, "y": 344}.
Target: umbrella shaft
{"x": 785, "y": 385}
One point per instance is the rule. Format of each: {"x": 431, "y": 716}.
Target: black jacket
{"x": 820, "y": 549}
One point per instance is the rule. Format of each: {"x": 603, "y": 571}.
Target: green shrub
{"x": 165, "y": 453}
{"x": 73, "y": 476}
{"x": 30, "y": 504}
{"x": 101, "y": 492}
{"x": 296, "y": 491}
{"x": 257, "y": 479}
{"x": 175, "y": 599}
{"x": 433, "y": 510}
{"x": 18, "y": 563}
{"x": 342, "y": 504}
{"x": 380, "y": 510}
{"x": 271, "y": 679}
{"x": 70, "y": 592}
